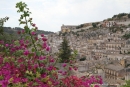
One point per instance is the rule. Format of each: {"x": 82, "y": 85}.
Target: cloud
{"x": 51, "y": 14}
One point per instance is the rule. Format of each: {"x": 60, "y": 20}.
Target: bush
{"x": 94, "y": 25}
{"x": 83, "y": 59}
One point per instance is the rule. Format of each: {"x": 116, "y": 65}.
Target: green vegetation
{"x": 94, "y": 25}
{"x": 4, "y": 35}
{"x": 80, "y": 26}
{"x": 114, "y": 16}
{"x": 83, "y": 59}
{"x": 121, "y": 15}
{"x": 2, "y": 20}
{"x": 126, "y": 36}
{"x": 127, "y": 84}
{"x": 65, "y": 51}
{"x": 109, "y": 19}
{"x": 115, "y": 29}
{"x": 129, "y": 15}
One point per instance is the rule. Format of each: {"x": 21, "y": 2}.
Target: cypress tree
{"x": 65, "y": 51}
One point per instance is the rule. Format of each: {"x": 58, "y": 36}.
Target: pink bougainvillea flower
{"x": 6, "y": 45}
{"x": 64, "y": 65}
{"x": 64, "y": 72}
{"x": 44, "y": 39}
{"x": 44, "y": 45}
{"x": 59, "y": 71}
{"x": 50, "y": 68}
{"x": 4, "y": 83}
{"x": 70, "y": 68}
{"x": 47, "y": 48}
{"x": 26, "y": 52}
{"x": 42, "y": 35}
{"x": 43, "y": 75}
{"x": 33, "y": 25}
{"x": 19, "y": 32}
{"x": 33, "y": 33}
{"x": 42, "y": 57}
{"x": 35, "y": 65}
{"x": 24, "y": 80}
{"x": 51, "y": 60}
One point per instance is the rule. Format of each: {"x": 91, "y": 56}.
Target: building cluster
{"x": 101, "y": 24}
{"x": 103, "y": 50}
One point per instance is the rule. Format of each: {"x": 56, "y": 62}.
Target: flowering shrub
{"x": 27, "y": 62}
{"x": 73, "y": 81}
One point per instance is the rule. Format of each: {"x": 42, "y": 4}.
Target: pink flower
{"x": 44, "y": 39}
{"x": 6, "y": 45}
{"x": 70, "y": 68}
{"x": 47, "y": 48}
{"x": 33, "y": 33}
{"x": 63, "y": 65}
{"x": 5, "y": 83}
{"x": 44, "y": 45}
{"x": 19, "y": 32}
{"x": 42, "y": 57}
{"x": 60, "y": 71}
{"x": 42, "y": 35}
{"x": 51, "y": 60}
{"x": 35, "y": 65}
{"x": 75, "y": 68}
{"x": 33, "y": 25}
{"x": 26, "y": 52}
{"x": 24, "y": 80}
{"x": 13, "y": 49}
{"x": 50, "y": 68}
{"x": 64, "y": 73}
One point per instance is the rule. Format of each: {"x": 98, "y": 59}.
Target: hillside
{"x": 119, "y": 16}
{"x": 14, "y": 30}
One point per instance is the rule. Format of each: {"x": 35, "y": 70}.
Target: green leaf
{"x": 30, "y": 55}
{"x": 35, "y": 84}
{"x": 27, "y": 37}
{"x": 39, "y": 45}
{"x": 16, "y": 42}
{"x": 26, "y": 29}
{"x": 38, "y": 53}
{"x": 33, "y": 49}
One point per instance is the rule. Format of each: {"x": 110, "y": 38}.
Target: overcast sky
{"x": 49, "y": 15}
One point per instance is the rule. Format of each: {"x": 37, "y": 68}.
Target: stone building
{"x": 67, "y": 28}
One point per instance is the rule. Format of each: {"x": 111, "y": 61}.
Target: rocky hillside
{"x": 119, "y": 16}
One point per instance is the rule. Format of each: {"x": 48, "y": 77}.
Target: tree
{"x": 65, "y": 51}
{"x": 129, "y": 15}
{"x": 94, "y": 25}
